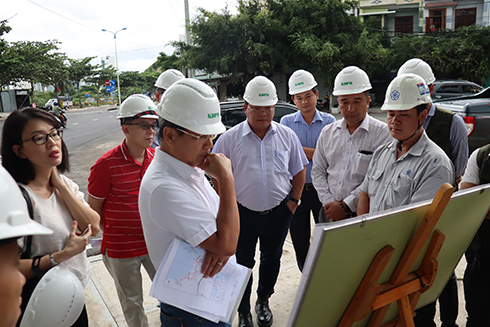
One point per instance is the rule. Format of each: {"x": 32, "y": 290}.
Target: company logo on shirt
{"x": 214, "y": 115}
{"x": 394, "y": 95}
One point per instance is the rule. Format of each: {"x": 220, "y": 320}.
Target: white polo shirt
{"x": 175, "y": 201}
{"x": 262, "y": 168}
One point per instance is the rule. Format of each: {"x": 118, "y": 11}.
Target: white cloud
{"x": 150, "y": 24}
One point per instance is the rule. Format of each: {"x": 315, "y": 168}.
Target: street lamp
{"x": 117, "y": 67}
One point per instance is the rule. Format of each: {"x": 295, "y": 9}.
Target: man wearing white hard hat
{"x": 307, "y": 123}
{"x": 176, "y": 200}
{"x": 14, "y": 224}
{"x": 167, "y": 78}
{"x": 264, "y": 154}
{"x": 448, "y": 131}
{"x": 411, "y": 168}
{"x": 345, "y": 148}
{"x": 113, "y": 188}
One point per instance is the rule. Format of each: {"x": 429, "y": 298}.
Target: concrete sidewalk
{"x": 104, "y": 309}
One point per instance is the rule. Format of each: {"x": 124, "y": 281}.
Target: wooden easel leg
{"x": 406, "y": 313}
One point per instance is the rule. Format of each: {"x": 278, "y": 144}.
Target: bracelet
{"x": 345, "y": 208}
{"x": 53, "y": 262}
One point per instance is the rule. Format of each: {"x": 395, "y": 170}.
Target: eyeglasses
{"x": 145, "y": 126}
{"x": 200, "y": 138}
{"x": 260, "y": 109}
{"x": 42, "y": 138}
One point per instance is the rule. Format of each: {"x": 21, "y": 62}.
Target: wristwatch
{"x": 298, "y": 202}
{"x": 53, "y": 262}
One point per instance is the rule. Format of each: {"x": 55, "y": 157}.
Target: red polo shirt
{"x": 116, "y": 178}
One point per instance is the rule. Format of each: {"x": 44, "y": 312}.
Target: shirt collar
{"x": 432, "y": 110}
{"x": 181, "y": 168}
{"x": 248, "y": 130}
{"x": 416, "y": 150}
{"x": 128, "y": 157}
{"x": 364, "y": 125}
{"x": 298, "y": 117}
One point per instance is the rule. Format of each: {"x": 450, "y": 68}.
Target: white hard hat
{"x": 260, "y": 91}
{"x": 137, "y": 106}
{"x": 168, "y": 77}
{"x": 57, "y": 300}
{"x": 351, "y": 80}
{"x": 301, "y": 81}
{"x": 406, "y": 92}
{"x": 192, "y": 104}
{"x": 14, "y": 216}
{"x": 419, "y": 67}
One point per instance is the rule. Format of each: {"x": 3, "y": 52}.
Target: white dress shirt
{"x": 175, "y": 201}
{"x": 261, "y": 168}
{"x": 341, "y": 159}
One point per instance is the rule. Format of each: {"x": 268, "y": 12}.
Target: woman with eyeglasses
{"x": 34, "y": 153}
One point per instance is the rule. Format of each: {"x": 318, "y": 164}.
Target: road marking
{"x": 74, "y": 124}
{"x": 95, "y": 119}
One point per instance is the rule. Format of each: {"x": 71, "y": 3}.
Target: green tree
{"x": 274, "y": 36}
{"x": 36, "y": 62}
{"x": 5, "y": 62}
{"x": 80, "y": 70}
{"x": 165, "y": 62}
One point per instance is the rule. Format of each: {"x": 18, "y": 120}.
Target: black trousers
{"x": 301, "y": 223}
{"x": 448, "y": 305}
{"x": 476, "y": 284}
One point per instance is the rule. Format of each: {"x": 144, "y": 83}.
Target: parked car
{"x": 232, "y": 112}
{"x": 475, "y": 110}
{"x": 455, "y": 88}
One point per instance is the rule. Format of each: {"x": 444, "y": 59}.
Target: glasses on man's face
{"x": 199, "y": 138}
{"x": 260, "y": 109}
{"x": 145, "y": 126}
{"x": 42, "y": 138}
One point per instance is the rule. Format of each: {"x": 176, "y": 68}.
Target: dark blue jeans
{"x": 271, "y": 229}
{"x": 174, "y": 317}
{"x": 301, "y": 223}
{"x": 476, "y": 284}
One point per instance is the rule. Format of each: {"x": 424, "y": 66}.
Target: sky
{"x": 78, "y": 25}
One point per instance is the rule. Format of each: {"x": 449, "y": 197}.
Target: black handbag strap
{"x": 27, "y": 253}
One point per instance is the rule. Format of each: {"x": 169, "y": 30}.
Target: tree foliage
{"x": 80, "y": 70}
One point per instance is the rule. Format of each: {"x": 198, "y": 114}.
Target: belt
{"x": 266, "y": 212}
{"x": 309, "y": 187}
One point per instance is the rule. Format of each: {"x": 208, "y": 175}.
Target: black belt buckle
{"x": 309, "y": 187}
{"x": 266, "y": 212}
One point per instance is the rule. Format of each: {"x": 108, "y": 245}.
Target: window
{"x": 451, "y": 88}
{"x": 465, "y": 17}
{"x": 436, "y": 21}
{"x": 404, "y": 25}
{"x": 473, "y": 89}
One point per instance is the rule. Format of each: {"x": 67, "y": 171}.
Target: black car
{"x": 475, "y": 111}
{"x": 232, "y": 112}
{"x": 455, "y": 88}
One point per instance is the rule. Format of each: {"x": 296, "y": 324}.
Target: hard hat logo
{"x": 395, "y": 95}
{"x": 423, "y": 89}
{"x": 346, "y": 83}
{"x": 300, "y": 83}
{"x": 214, "y": 115}
{"x": 263, "y": 94}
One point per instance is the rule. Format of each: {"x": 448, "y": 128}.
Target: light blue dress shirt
{"x": 308, "y": 134}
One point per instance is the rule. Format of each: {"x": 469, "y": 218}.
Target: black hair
{"x": 166, "y": 123}
{"x": 21, "y": 169}
{"x": 314, "y": 90}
